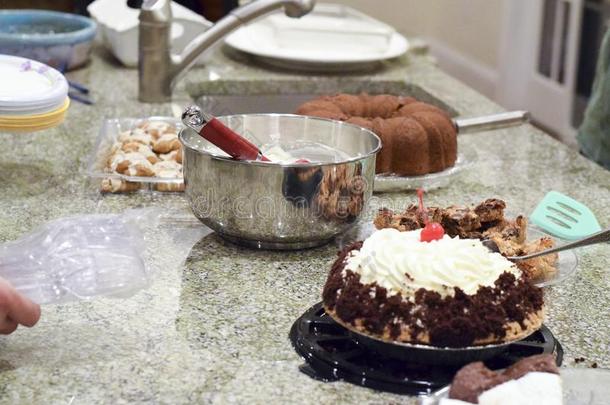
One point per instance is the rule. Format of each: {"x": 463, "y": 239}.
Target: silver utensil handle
{"x": 599, "y": 237}
{"x": 487, "y": 122}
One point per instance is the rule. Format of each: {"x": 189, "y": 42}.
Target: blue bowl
{"x": 61, "y": 40}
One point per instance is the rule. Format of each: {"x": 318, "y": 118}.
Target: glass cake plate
{"x": 581, "y": 386}
{"x": 567, "y": 260}
{"x": 392, "y": 182}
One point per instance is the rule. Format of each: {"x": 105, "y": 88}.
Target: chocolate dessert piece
{"x": 543, "y": 363}
{"x": 474, "y": 379}
{"x": 509, "y": 310}
{"x": 538, "y": 268}
{"x": 458, "y": 221}
{"x": 409, "y": 220}
{"x": 509, "y": 235}
{"x": 462, "y": 221}
{"x": 490, "y": 210}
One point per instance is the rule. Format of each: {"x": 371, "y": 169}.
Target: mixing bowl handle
{"x": 489, "y": 122}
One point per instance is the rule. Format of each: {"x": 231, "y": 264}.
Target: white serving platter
{"x": 332, "y": 36}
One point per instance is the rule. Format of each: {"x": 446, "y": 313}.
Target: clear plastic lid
{"x": 85, "y": 256}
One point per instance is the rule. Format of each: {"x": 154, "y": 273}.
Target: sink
{"x": 272, "y": 97}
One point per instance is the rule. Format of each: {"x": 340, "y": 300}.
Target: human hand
{"x": 15, "y": 309}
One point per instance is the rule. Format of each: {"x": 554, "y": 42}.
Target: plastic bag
{"x": 80, "y": 257}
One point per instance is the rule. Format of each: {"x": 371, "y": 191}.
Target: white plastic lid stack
{"x": 30, "y": 87}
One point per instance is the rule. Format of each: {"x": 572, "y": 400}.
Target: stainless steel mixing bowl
{"x": 281, "y": 206}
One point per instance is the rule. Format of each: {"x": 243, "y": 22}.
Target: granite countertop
{"x": 214, "y": 328}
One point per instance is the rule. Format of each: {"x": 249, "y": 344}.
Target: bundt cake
{"x": 418, "y": 138}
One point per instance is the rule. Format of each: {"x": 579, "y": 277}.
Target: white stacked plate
{"x": 331, "y": 38}
{"x": 33, "y": 95}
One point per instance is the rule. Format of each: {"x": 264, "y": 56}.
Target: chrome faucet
{"x": 159, "y": 69}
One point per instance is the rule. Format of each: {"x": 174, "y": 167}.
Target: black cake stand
{"x": 331, "y": 353}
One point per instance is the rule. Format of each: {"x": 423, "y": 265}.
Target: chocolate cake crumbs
{"x": 451, "y": 321}
{"x": 593, "y": 365}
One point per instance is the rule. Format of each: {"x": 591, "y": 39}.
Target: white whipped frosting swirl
{"x": 401, "y": 263}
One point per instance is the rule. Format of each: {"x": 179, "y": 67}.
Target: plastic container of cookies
{"x": 116, "y": 134}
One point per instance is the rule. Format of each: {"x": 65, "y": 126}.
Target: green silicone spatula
{"x": 564, "y": 217}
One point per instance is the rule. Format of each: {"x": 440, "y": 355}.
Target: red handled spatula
{"x": 223, "y": 137}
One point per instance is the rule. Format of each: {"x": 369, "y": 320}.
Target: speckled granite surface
{"x": 214, "y": 330}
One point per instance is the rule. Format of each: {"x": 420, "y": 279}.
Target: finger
{"x": 18, "y": 308}
{"x": 7, "y": 326}
{"x": 25, "y": 312}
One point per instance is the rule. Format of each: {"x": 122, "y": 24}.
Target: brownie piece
{"x": 384, "y": 218}
{"x": 539, "y": 268}
{"x": 490, "y": 210}
{"x": 462, "y": 221}
{"x": 544, "y": 363}
{"x": 410, "y": 220}
{"x": 472, "y": 380}
{"x": 458, "y": 221}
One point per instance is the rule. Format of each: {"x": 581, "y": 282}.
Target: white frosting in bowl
{"x": 401, "y": 263}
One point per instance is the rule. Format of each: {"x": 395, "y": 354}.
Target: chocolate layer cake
{"x": 449, "y": 293}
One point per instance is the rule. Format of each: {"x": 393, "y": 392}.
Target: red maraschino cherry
{"x": 432, "y": 230}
